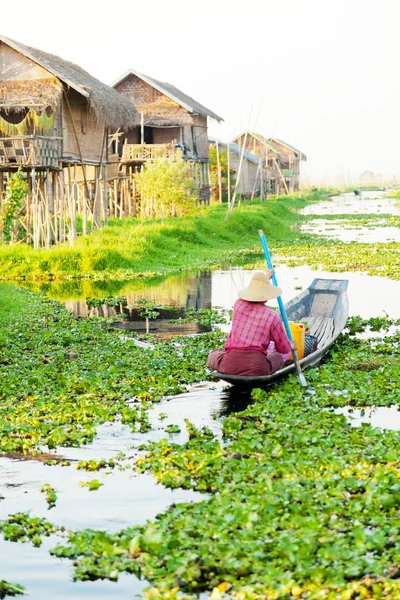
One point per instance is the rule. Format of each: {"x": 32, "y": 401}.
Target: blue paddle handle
{"x": 274, "y": 281}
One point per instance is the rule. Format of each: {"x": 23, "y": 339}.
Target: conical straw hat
{"x": 260, "y": 289}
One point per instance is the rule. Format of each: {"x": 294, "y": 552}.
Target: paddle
{"x": 302, "y": 379}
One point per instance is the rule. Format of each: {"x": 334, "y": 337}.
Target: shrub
{"x": 167, "y": 188}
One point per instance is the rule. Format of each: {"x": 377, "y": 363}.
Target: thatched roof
{"x": 104, "y": 101}
{"x": 172, "y": 92}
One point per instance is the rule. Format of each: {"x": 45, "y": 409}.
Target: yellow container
{"x": 298, "y": 333}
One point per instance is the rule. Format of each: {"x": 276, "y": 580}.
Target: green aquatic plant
{"x": 302, "y": 504}
{"x": 92, "y": 485}
{"x": 51, "y": 494}
{"x": 61, "y": 377}
{"x": 10, "y": 589}
{"x": 21, "y": 527}
{"x": 207, "y": 317}
{"x": 172, "y": 429}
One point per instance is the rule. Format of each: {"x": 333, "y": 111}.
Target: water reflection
{"x": 349, "y": 204}
{"x": 371, "y": 235}
{"x": 383, "y": 417}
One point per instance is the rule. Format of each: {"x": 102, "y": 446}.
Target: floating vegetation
{"x": 92, "y": 485}
{"x": 10, "y": 589}
{"x": 62, "y": 377}
{"x": 51, "y": 494}
{"x": 303, "y": 505}
{"x": 21, "y": 527}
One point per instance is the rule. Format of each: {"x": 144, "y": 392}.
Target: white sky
{"x": 320, "y": 74}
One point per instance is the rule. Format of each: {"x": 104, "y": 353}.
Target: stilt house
{"x": 55, "y": 120}
{"x": 170, "y": 120}
{"x": 281, "y": 162}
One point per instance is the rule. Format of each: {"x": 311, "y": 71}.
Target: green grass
{"x": 130, "y": 247}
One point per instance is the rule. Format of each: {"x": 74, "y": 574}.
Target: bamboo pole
{"x": 255, "y": 181}
{"x": 35, "y": 215}
{"x": 219, "y": 174}
{"x": 230, "y": 208}
{"x": 105, "y": 195}
{"x": 62, "y": 206}
{"x": 115, "y": 186}
{"x": 283, "y": 179}
{"x": 229, "y": 173}
{"x": 47, "y": 218}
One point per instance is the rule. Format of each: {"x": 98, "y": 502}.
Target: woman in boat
{"x": 254, "y": 327}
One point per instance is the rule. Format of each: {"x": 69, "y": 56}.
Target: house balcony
{"x": 30, "y": 151}
{"x": 146, "y": 152}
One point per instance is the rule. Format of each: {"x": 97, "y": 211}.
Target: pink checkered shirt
{"x": 254, "y": 326}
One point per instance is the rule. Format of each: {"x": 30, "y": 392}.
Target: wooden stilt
{"x": 47, "y": 212}
{"x": 62, "y": 206}
{"x": 219, "y": 174}
{"x": 105, "y": 195}
{"x": 229, "y": 173}
{"x": 97, "y": 204}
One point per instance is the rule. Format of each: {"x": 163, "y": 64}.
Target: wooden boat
{"x": 324, "y": 308}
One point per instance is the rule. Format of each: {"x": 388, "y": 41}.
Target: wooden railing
{"x": 30, "y": 151}
{"x": 144, "y": 152}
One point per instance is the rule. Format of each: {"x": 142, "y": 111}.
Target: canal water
{"x": 127, "y": 498}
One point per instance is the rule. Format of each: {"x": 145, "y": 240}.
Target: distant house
{"x": 170, "y": 120}
{"x": 249, "y": 181}
{"x": 289, "y": 163}
{"x": 55, "y": 119}
{"x": 281, "y": 161}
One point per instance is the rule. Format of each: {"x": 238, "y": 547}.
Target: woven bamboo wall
{"x": 200, "y": 136}
{"x": 167, "y": 135}
{"x": 158, "y": 108}
{"x": 90, "y": 133}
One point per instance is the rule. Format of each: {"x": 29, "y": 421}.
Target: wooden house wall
{"x": 89, "y": 131}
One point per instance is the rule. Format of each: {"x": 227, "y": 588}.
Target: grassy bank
{"x": 130, "y": 247}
